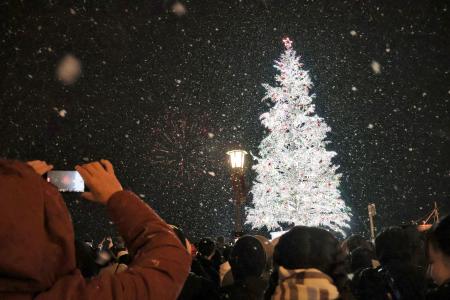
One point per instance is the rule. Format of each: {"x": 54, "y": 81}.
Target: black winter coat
{"x": 440, "y": 293}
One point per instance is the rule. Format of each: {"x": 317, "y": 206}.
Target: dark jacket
{"x": 394, "y": 281}
{"x": 207, "y": 266}
{"x": 198, "y": 288}
{"x": 37, "y": 255}
{"x": 85, "y": 257}
{"x": 440, "y": 293}
{"x": 251, "y": 288}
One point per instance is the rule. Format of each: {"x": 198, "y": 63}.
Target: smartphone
{"x": 66, "y": 181}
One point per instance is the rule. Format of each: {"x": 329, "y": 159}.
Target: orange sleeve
{"x": 160, "y": 263}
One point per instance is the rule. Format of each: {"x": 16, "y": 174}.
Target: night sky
{"x": 164, "y": 95}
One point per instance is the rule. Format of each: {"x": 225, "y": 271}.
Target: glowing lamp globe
{"x": 237, "y": 158}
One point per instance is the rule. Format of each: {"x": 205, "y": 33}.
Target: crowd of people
{"x": 41, "y": 259}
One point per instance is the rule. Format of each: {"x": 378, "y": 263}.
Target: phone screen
{"x": 66, "y": 181}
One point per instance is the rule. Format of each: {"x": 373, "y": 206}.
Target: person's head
{"x": 361, "y": 258}
{"x": 220, "y": 241}
{"x": 310, "y": 247}
{"x": 206, "y": 248}
{"x": 438, "y": 250}
{"x": 85, "y": 256}
{"x": 120, "y": 243}
{"x": 119, "y": 246}
{"x": 355, "y": 241}
{"x": 103, "y": 258}
{"x": 417, "y": 245}
{"x": 250, "y": 257}
{"x": 394, "y": 244}
{"x": 36, "y": 233}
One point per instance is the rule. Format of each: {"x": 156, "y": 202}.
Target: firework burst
{"x": 181, "y": 147}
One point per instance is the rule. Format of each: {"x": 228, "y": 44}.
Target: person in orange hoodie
{"x": 37, "y": 255}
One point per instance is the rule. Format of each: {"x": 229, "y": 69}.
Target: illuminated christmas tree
{"x": 297, "y": 182}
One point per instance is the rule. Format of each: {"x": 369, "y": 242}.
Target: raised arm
{"x": 160, "y": 263}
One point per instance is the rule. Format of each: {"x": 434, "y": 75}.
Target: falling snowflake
{"x": 353, "y": 33}
{"x": 178, "y": 9}
{"x": 354, "y": 88}
{"x": 370, "y": 126}
{"x": 376, "y": 67}
{"x": 62, "y": 113}
{"x": 68, "y": 70}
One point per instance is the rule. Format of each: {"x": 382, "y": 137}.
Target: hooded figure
{"x": 35, "y": 231}
{"x": 37, "y": 253}
{"x": 251, "y": 262}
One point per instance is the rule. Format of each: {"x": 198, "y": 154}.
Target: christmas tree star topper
{"x": 287, "y": 43}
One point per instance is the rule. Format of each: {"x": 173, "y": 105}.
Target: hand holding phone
{"x": 40, "y": 166}
{"x": 100, "y": 179}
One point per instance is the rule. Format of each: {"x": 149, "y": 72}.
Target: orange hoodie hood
{"x": 36, "y": 233}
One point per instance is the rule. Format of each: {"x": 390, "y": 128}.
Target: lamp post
{"x": 237, "y": 160}
{"x": 372, "y": 212}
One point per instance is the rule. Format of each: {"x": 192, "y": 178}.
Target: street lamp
{"x": 237, "y": 160}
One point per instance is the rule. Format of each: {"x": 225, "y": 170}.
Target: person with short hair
{"x": 205, "y": 252}
{"x": 398, "y": 277}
